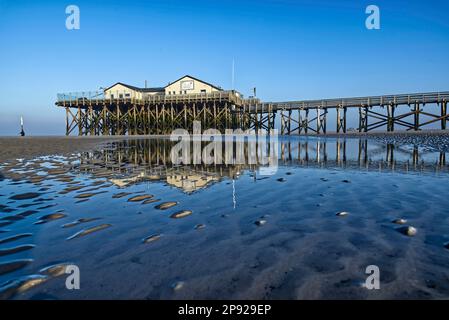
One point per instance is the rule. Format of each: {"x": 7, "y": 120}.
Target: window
{"x": 127, "y": 95}
{"x": 203, "y": 90}
{"x": 112, "y": 96}
{"x": 120, "y": 96}
{"x": 180, "y": 92}
{"x": 185, "y": 91}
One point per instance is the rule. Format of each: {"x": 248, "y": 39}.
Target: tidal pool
{"x": 136, "y": 225}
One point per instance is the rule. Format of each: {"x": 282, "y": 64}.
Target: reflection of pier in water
{"x": 360, "y": 154}
{"x": 134, "y": 161}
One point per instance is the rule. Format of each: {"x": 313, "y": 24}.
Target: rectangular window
{"x": 120, "y": 96}
{"x": 203, "y": 90}
{"x": 127, "y": 95}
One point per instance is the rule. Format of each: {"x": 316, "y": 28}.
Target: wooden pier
{"x": 92, "y": 113}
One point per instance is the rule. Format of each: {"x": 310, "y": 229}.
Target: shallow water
{"x": 137, "y": 226}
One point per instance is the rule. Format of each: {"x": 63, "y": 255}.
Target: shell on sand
{"x": 408, "y": 230}
{"x": 14, "y": 287}
{"x": 181, "y": 214}
{"x": 152, "y": 238}
{"x": 178, "y": 285}
{"x": 85, "y": 232}
{"x": 166, "y": 205}
{"x": 140, "y": 198}
{"x": 399, "y": 221}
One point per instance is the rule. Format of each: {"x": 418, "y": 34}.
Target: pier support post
{"x": 306, "y": 122}
{"x": 318, "y": 120}
{"x": 289, "y": 122}
{"x": 67, "y": 128}
{"x": 390, "y": 117}
{"x": 443, "y": 115}
{"x": 416, "y": 116}
{"x": 363, "y": 119}
{"x": 338, "y": 122}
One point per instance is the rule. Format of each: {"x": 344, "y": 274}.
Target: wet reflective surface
{"x": 137, "y": 226}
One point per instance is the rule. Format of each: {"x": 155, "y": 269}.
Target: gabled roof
{"x": 156, "y": 89}
{"x": 213, "y": 86}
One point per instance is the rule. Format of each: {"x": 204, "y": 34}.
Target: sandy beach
{"x": 29, "y": 147}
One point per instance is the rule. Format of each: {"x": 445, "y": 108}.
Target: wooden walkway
{"x": 93, "y": 113}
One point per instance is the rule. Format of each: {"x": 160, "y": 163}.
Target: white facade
{"x": 121, "y": 91}
{"x": 189, "y": 85}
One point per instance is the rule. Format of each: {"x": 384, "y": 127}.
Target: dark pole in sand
{"x": 22, "y": 132}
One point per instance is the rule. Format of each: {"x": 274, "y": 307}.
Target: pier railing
{"x": 372, "y": 101}
{"x": 98, "y": 97}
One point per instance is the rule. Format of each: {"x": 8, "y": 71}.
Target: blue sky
{"x": 287, "y": 49}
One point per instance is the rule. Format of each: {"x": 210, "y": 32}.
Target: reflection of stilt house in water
{"x": 186, "y": 179}
{"x": 135, "y": 161}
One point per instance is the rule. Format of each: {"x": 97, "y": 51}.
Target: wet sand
{"x": 60, "y": 210}
{"x": 12, "y": 148}
{"x": 28, "y": 147}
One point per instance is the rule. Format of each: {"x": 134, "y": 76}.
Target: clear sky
{"x": 287, "y": 49}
